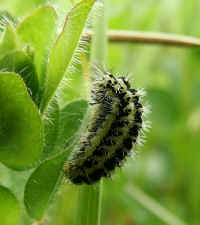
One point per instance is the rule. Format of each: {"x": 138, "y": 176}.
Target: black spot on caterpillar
{"x": 114, "y": 124}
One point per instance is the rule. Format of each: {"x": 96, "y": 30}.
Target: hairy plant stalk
{"x": 90, "y": 196}
{"x": 149, "y": 38}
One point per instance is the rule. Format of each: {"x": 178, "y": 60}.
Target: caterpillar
{"x": 113, "y": 127}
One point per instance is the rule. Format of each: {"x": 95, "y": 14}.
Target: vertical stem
{"x": 89, "y": 205}
{"x": 90, "y": 196}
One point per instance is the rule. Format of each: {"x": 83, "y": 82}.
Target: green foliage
{"x": 62, "y": 125}
{"x": 20, "y": 63}
{"x": 64, "y": 47}
{"x": 38, "y": 122}
{"x": 17, "y": 133}
{"x": 42, "y": 185}
{"x": 32, "y": 66}
{"x": 51, "y": 129}
{"x": 71, "y": 116}
{"x": 38, "y": 30}
{"x": 8, "y": 40}
{"x": 9, "y": 207}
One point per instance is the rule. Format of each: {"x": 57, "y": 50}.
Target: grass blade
{"x": 134, "y": 193}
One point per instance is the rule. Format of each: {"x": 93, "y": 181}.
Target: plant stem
{"x": 89, "y": 205}
{"x": 90, "y": 196}
{"x": 149, "y": 38}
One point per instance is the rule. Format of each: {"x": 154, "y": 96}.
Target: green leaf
{"x": 21, "y": 132}
{"x": 22, "y": 64}
{"x": 71, "y": 117}
{"x": 15, "y": 181}
{"x": 8, "y": 41}
{"x": 21, "y": 9}
{"x": 9, "y": 207}
{"x": 39, "y": 30}
{"x": 51, "y": 129}
{"x": 64, "y": 47}
{"x": 42, "y": 186}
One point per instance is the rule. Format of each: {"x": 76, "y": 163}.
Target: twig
{"x": 149, "y": 38}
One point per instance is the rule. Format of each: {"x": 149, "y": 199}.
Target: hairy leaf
{"x": 71, "y": 117}
{"x": 65, "y": 46}
{"x": 42, "y": 185}
{"x": 51, "y": 129}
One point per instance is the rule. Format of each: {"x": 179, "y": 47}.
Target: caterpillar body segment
{"x": 114, "y": 124}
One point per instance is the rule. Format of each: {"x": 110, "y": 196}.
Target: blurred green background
{"x": 166, "y": 169}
